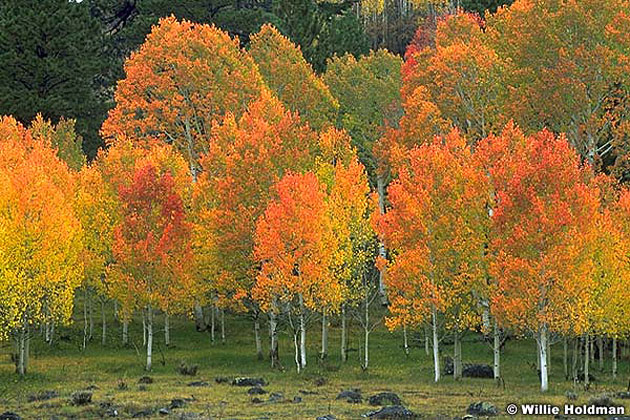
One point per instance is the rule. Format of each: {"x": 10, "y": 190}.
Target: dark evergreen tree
{"x": 50, "y": 60}
{"x": 481, "y": 6}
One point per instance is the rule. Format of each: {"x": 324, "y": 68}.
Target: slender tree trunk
{"x": 344, "y": 337}
{"x": 91, "y": 311}
{"x": 104, "y": 323}
{"x": 222, "y": 326}
{"x": 302, "y": 334}
{"x": 380, "y": 184}
{"x": 614, "y": 357}
{"x": 600, "y": 346}
{"x": 436, "y": 343}
{"x": 46, "y": 327}
{"x": 548, "y": 353}
{"x": 149, "y": 337}
{"x": 405, "y": 340}
{"x": 565, "y": 356}
{"x": 576, "y": 357}
{"x": 591, "y": 341}
{"x": 324, "y": 353}
{"x": 200, "y": 323}
{"x": 116, "y": 317}
{"x": 496, "y": 350}
{"x": 212, "y": 312}
{"x": 125, "y": 332}
{"x": 366, "y": 333}
{"x": 22, "y": 349}
{"x": 167, "y": 330}
{"x": 298, "y": 365}
{"x": 273, "y": 332}
{"x": 543, "y": 347}
{"x": 457, "y": 356}
{"x": 144, "y": 329}
{"x": 426, "y": 340}
{"x": 587, "y": 359}
{"x": 85, "y": 319}
{"x": 259, "y": 349}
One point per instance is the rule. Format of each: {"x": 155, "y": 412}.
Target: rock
{"x": 145, "y": 380}
{"x": 108, "y": 409}
{"x": 198, "y": 383}
{"x": 351, "y": 396}
{"x": 385, "y": 398}
{"x": 249, "y": 382}
{"x": 256, "y": 390}
{"x": 392, "y": 412}
{"x": 275, "y": 397}
{"x": 623, "y": 395}
{"x": 482, "y": 408}
{"x": 619, "y": 418}
{"x": 477, "y": 371}
{"x": 601, "y": 401}
{"x": 297, "y": 399}
{"x": 9, "y": 415}
{"x": 305, "y": 392}
{"x": 81, "y": 397}
{"x": 571, "y": 395}
{"x": 42, "y": 396}
{"x": 92, "y": 387}
{"x": 142, "y": 413}
{"x": 189, "y": 416}
{"x": 164, "y": 411}
{"x": 177, "y": 403}
{"x": 320, "y": 381}
{"x": 142, "y": 388}
{"x": 256, "y": 400}
{"x": 222, "y": 379}
{"x": 326, "y": 417}
{"x": 187, "y": 370}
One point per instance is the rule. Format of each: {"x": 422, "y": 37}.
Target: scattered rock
{"x": 482, "y": 408}
{"x": 392, "y": 412}
{"x": 256, "y": 390}
{"x": 275, "y": 397}
{"x": 177, "y": 403}
{"x": 107, "y": 409}
{"x": 623, "y": 395}
{"x": 305, "y": 392}
{"x": 385, "y": 398}
{"x": 249, "y": 382}
{"x": 198, "y": 383}
{"x": 92, "y": 387}
{"x": 256, "y": 400}
{"x": 142, "y": 413}
{"x": 42, "y": 396}
{"x": 571, "y": 395}
{"x": 8, "y": 415}
{"x": 320, "y": 381}
{"x": 619, "y": 418}
{"x": 222, "y": 379}
{"x": 164, "y": 411}
{"x": 601, "y": 401}
{"x": 81, "y": 397}
{"x": 145, "y": 380}
{"x": 326, "y": 417}
{"x": 477, "y": 371}
{"x": 187, "y": 370}
{"x": 297, "y": 399}
{"x": 351, "y": 396}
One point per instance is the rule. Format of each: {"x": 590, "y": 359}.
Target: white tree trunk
{"x": 91, "y": 311}
{"x": 457, "y": 356}
{"x": 144, "y": 329}
{"x": 496, "y": 350}
{"x": 149, "y": 337}
{"x": 600, "y": 346}
{"x": 125, "y": 332}
{"x": 427, "y": 339}
{"x": 380, "y": 184}
{"x": 405, "y": 340}
{"x": 273, "y": 333}
{"x": 614, "y": 357}
{"x": 543, "y": 347}
{"x": 436, "y": 343}
{"x": 298, "y": 364}
{"x": 324, "y": 352}
{"x": 212, "y": 313}
{"x": 366, "y": 333}
{"x": 565, "y": 356}
{"x": 587, "y": 359}
{"x": 22, "y": 350}
{"x": 167, "y": 330}
{"x": 200, "y": 323}
{"x": 344, "y": 337}
{"x": 302, "y": 334}
{"x": 259, "y": 349}
{"x": 104, "y": 323}
{"x": 85, "y": 319}
{"x": 222, "y": 326}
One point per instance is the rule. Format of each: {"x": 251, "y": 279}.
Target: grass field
{"x": 62, "y": 367}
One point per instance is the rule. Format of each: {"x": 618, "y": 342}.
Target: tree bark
{"x": 200, "y": 323}
{"x": 426, "y": 340}
{"x": 543, "y": 347}
{"x": 380, "y": 184}
{"x": 576, "y": 356}
{"x": 167, "y": 330}
{"x": 496, "y": 350}
{"x": 259, "y": 350}
{"x": 222, "y": 326}
{"x": 457, "y": 356}
{"x": 22, "y": 364}
{"x": 144, "y": 329}
{"x": 600, "y": 346}
{"x": 344, "y": 336}
{"x": 405, "y": 341}
{"x": 324, "y": 353}
{"x": 91, "y": 311}
{"x": 302, "y": 334}
{"x": 85, "y": 319}
{"x": 212, "y": 312}
{"x": 104, "y": 323}
{"x": 565, "y": 357}
{"x": 149, "y": 337}
{"x": 436, "y": 343}
{"x": 125, "y": 332}
{"x": 587, "y": 358}
{"x": 273, "y": 332}
{"x": 614, "y": 357}
{"x": 366, "y": 333}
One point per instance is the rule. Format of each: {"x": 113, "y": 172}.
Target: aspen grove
{"x": 477, "y": 185}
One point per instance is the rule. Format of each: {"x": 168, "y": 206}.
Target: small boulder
{"x": 187, "y": 370}
{"x": 351, "y": 396}
{"x": 198, "y": 383}
{"x": 145, "y": 380}
{"x": 601, "y": 401}
{"x": 222, "y": 379}
{"x": 147, "y": 412}
{"x": 276, "y": 397}
{"x": 256, "y": 390}
{"x": 81, "y": 397}
{"x": 326, "y": 417}
{"x": 249, "y": 382}
{"x": 482, "y": 408}
{"x": 297, "y": 399}
{"x": 92, "y": 387}
{"x": 256, "y": 400}
{"x": 623, "y": 395}
{"x": 392, "y": 412}
{"x": 306, "y": 392}
{"x": 9, "y": 415}
{"x": 571, "y": 395}
{"x": 42, "y": 396}
{"x": 385, "y": 398}
{"x": 164, "y": 411}
{"x": 177, "y": 403}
